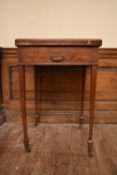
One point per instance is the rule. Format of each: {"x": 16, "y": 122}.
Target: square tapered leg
{"x": 92, "y": 107}
{"x": 83, "y": 78}
{"x": 23, "y": 106}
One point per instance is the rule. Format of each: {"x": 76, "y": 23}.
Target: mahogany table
{"x": 58, "y": 52}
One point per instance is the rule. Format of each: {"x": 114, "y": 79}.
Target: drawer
{"x": 57, "y": 55}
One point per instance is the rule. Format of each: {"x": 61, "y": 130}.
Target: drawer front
{"x": 57, "y": 55}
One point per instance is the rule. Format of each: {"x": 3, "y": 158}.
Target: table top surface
{"x": 58, "y": 42}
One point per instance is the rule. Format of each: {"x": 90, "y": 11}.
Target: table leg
{"x": 36, "y": 74}
{"x": 92, "y": 107}
{"x": 83, "y": 78}
{"x": 23, "y": 106}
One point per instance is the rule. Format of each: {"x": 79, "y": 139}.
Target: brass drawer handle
{"x": 57, "y": 59}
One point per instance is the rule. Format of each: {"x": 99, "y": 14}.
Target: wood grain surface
{"x": 60, "y": 90}
{"x": 58, "y": 150}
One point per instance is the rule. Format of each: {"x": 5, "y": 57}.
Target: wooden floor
{"x": 58, "y": 149}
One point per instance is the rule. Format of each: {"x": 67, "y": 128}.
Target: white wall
{"x": 58, "y": 19}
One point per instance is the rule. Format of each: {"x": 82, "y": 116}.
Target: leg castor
{"x": 81, "y": 121}
{"x": 90, "y": 144}
{"x": 27, "y": 146}
{"x": 36, "y": 120}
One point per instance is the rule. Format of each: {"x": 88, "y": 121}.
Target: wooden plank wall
{"x": 0, "y": 81}
{"x": 1, "y": 108}
{"x": 60, "y": 90}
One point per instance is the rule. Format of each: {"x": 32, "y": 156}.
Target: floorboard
{"x": 58, "y": 149}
